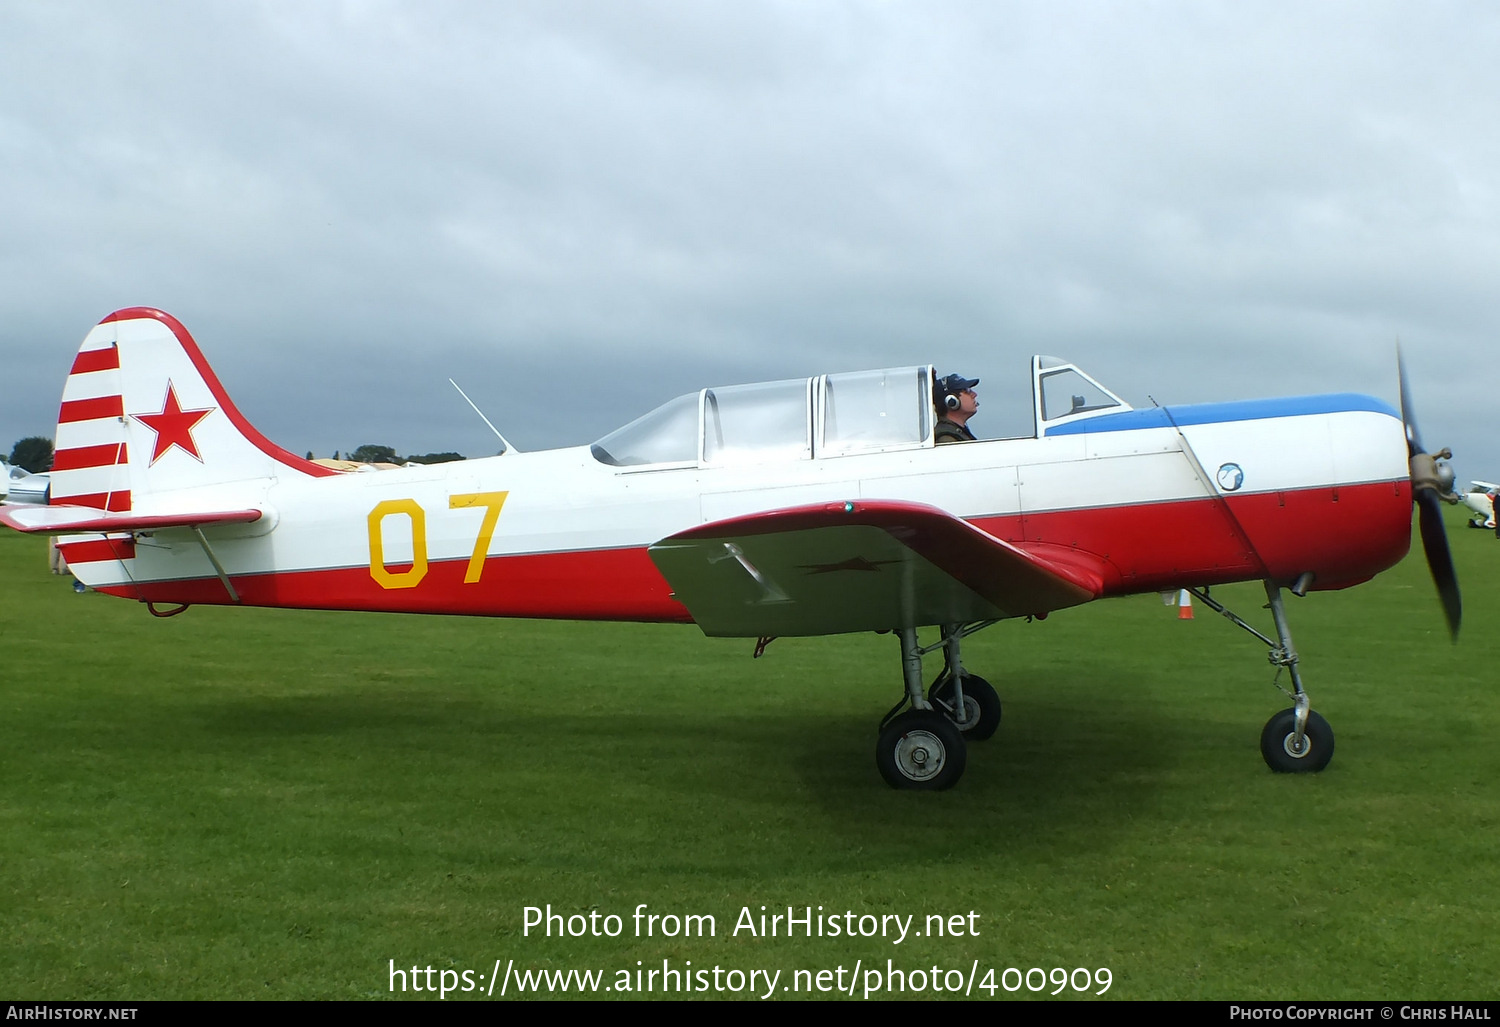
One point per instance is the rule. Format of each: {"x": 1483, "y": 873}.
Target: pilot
{"x": 955, "y": 401}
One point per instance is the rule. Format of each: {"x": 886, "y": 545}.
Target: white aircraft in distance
{"x": 18, "y": 485}
{"x": 805, "y": 507}
{"x": 1481, "y": 499}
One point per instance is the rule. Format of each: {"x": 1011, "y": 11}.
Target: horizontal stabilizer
{"x": 861, "y": 566}
{"x": 61, "y": 520}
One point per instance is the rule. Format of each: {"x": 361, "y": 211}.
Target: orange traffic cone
{"x": 1184, "y": 605}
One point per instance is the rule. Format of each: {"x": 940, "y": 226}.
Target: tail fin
{"x": 143, "y": 413}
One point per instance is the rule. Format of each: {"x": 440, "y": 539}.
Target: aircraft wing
{"x": 861, "y": 566}
{"x": 62, "y": 520}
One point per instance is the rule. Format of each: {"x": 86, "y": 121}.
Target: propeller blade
{"x": 1413, "y": 438}
{"x": 1439, "y": 559}
{"x": 1431, "y": 485}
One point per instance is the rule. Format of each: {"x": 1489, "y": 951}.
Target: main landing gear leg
{"x": 925, "y": 747}
{"x": 1296, "y": 740}
{"x": 920, "y": 748}
{"x": 966, "y": 698}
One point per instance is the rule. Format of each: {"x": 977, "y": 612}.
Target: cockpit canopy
{"x": 831, "y": 415}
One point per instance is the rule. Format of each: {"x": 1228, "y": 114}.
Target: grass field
{"x": 256, "y": 803}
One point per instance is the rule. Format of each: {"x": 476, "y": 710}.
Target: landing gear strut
{"x": 924, "y": 747}
{"x": 1296, "y": 740}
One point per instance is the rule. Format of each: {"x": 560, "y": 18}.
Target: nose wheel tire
{"x": 1278, "y": 744}
{"x": 981, "y": 713}
{"x": 920, "y": 750}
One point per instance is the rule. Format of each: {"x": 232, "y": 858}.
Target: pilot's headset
{"x": 953, "y": 387}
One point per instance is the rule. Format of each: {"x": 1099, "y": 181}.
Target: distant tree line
{"x": 386, "y": 455}
{"x": 34, "y": 453}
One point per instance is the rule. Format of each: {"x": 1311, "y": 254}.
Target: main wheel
{"x": 981, "y": 713}
{"x": 1278, "y": 743}
{"x": 921, "y": 749}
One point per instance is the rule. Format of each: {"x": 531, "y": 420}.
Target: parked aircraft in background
{"x": 804, "y": 507}
{"x": 1481, "y": 499}
{"x": 18, "y": 485}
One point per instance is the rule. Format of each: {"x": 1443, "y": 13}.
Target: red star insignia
{"x": 174, "y": 426}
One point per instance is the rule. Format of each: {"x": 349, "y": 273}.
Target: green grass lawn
{"x": 260, "y": 803}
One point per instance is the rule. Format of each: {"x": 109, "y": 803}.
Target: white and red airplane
{"x": 18, "y": 485}
{"x": 1481, "y": 500}
{"x": 802, "y": 507}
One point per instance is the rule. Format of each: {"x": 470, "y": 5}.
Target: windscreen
{"x": 667, "y": 435}
{"x": 1067, "y": 392}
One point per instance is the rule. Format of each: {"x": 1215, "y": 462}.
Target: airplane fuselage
{"x": 1164, "y": 497}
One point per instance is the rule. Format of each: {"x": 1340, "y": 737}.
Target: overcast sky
{"x": 580, "y": 210}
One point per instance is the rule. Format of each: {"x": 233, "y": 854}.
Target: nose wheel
{"x": 1296, "y": 740}
{"x": 1287, "y": 751}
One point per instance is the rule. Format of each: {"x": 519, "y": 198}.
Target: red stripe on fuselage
{"x": 1343, "y": 536}
{"x": 605, "y": 584}
{"x": 1150, "y": 546}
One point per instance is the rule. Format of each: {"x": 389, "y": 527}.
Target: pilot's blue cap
{"x": 954, "y": 384}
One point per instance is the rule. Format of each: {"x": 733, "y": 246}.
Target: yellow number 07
{"x": 491, "y": 501}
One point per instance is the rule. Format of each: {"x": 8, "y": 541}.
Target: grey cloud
{"x": 351, "y": 202}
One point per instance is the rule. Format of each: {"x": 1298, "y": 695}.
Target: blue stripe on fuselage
{"x": 1218, "y": 413}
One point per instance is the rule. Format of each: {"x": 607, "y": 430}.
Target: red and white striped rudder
{"x": 143, "y": 414}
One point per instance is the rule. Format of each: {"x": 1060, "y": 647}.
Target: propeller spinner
{"x": 1432, "y": 485}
